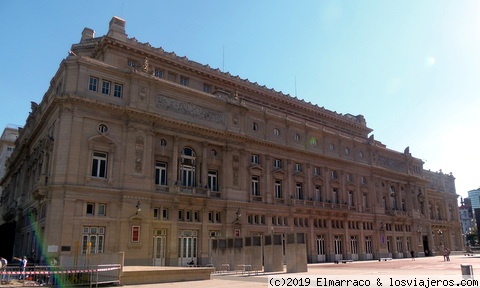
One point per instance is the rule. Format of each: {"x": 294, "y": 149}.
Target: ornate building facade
{"x": 135, "y": 149}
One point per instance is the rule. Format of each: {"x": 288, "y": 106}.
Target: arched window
{"x": 187, "y": 167}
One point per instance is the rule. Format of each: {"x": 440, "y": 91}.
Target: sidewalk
{"x": 421, "y": 266}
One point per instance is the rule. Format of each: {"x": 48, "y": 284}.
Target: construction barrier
{"x": 61, "y": 276}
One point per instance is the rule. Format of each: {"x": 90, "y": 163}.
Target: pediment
{"x": 256, "y": 167}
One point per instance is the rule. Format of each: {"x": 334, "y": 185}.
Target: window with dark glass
{"x": 99, "y": 164}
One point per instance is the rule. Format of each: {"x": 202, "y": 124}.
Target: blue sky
{"x": 410, "y": 67}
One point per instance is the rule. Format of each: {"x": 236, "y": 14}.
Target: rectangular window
{"x": 183, "y": 81}
{"x": 318, "y": 193}
{"x": 93, "y": 240}
{"x": 135, "y": 233}
{"x": 298, "y": 191}
{"x": 99, "y": 165}
{"x": 255, "y": 186}
{"x": 158, "y": 73}
{"x": 277, "y": 163}
{"x": 316, "y": 171}
{"x": 102, "y": 209}
{"x": 180, "y": 215}
{"x": 91, "y": 209}
{"x": 156, "y": 213}
{"x": 278, "y": 189}
{"x": 349, "y": 177}
{"x": 212, "y": 180}
{"x": 131, "y": 63}
{"x": 118, "y": 90}
{"x": 255, "y": 159}
{"x": 93, "y": 84}
{"x": 105, "y": 87}
{"x": 207, "y": 88}
{"x": 165, "y": 214}
{"x": 196, "y": 216}
{"x": 298, "y": 167}
{"x": 334, "y": 174}
{"x": 161, "y": 173}
{"x": 335, "y": 195}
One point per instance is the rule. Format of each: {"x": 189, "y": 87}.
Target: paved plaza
{"x": 427, "y": 266}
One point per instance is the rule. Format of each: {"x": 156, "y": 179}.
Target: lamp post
{"x": 419, "y": 234}
{"x": 440, "y": 238}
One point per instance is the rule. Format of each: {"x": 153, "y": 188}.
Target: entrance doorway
{"x": 159, "y": 247}
{"x": 426, "y": 248}
{"x": 187, "y": 247}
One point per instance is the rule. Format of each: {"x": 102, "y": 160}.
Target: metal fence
{"x": 53, "y": 276}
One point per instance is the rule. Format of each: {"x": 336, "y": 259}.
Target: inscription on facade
{"x": 391, "y": 163}
{"x": 189, "y": 109}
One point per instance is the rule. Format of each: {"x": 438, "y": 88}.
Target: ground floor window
{"x": 93, "y": 240}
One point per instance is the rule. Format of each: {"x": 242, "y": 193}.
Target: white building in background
{"x": 466, "y": 219}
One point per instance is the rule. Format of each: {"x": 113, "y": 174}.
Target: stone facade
{"x": 136, "y": 150}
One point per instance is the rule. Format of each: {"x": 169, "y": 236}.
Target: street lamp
{"x": 138, "y": 207}
{"x": 440, "y": 236}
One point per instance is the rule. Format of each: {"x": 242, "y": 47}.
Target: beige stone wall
{"x": 364, "y": 189}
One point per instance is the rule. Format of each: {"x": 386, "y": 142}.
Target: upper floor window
{"x": 255, "y": 186}
{"x": 316, "y": 171}
{"x": 213, "y": 180}
{"x": 90, "y": 209}
{"x": 131, "y": 63}
{"x": 207, "y": 88}
{"x": 296, "y": 137}
{"x": 298, "y": 191}
{"x": 349, "y": 177}
{"x": 187, "y": 167}
{"x": 254, "y": 126}
{"x": 102, "y": 128}
{"x": 118, "y": 90}
{"x": 313, "y": 141}
{"x": 332, "y": 147}
{"x": 183, "y": 81}
{"x": 334, "y": 174}
{"x": 106, "y": 87}
{"x": 255, "y": 159}
{"x": 276, "y": 132}
{"x": 161, "y": 173}
{"x": 102, "y": 209}
{"x": 158, "y": 73}
{"x": 93, "y": 84}
{"x": 99, "y": 164}
{"x": 277, "y": 163}
{"x": 278, "y": 189}
{"x": 298, "y": 167}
